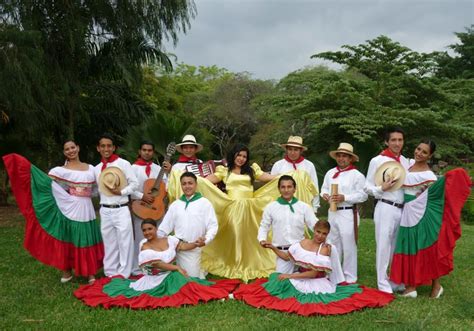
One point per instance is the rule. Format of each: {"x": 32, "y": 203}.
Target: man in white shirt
{"x": 344, "y": 221}
{"x": 115, "y": 219}
{"x": 388, "y": 210}
{"x": 144, "y": 168}
{"x": 294, "y": 160}
{"x": 192, "y": 219}
{"x": 287, "y": 217}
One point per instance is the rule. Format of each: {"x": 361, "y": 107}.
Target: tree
{"x": 230, "y": 115}
{"x": 74, "y": 64}
{"x": 462, "y": 64}
{"x": 383, "y": 84}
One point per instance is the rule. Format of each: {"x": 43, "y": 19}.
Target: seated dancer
{"x": 116, "y": 182}
{"x": 163, "y": 284}
{"x": 430, "y": 224}
{"x": 287, "y": 217}
{"x": 313, "y": 290}
{"x": 188, "y": 149}
{"x": 192, "y": 219}
{"x": 344, "y": 221}
{"x": 144, "y": 168}
{"x": 234, "y": 253}
{"x": 294, "y": 160}
{"x": 61, "y": 228}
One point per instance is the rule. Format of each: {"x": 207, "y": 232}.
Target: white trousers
{"x": 191, "y": 262}
{"x": 117, "y": 234}
{"x": 284, "y": 267}
{"x": 387, "y": 222}
{"x": 138, "y": 236}
{"x": 342, "y": 236}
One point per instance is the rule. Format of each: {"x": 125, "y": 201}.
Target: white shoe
{"x": 440, "y": 292}
{"x": 412, "y": 294}
{"x": 231, "y": 296}
{"x": 65, "y": 280}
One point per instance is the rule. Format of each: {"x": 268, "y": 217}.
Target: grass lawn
{"x": 31, "y": 297}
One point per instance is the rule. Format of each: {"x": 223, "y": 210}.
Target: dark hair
{"x": 147, "y": 142}
{"x": 323, "y": 224}
{"x": 105, "y": 136}
{"x": 151, "y": 222}
{"x": 69, "y": 141}
{"x": 393, "y": 130}
{"x": 286, "y": 177}
{"x": 188, "y": 174}
{"x": 246, "y": 169}
{"x": 430, "y": 143}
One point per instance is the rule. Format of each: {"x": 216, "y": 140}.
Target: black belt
{"x": 346, "y": 207}
{"x": 391, "y": 203}
{"x": 115, "y": 206}
{"x": 283, "y": 248}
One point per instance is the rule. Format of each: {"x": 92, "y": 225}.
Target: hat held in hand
{"x": 390, "y": 171}
{"x": 111, "y": 178}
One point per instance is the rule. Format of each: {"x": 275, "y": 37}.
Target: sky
{"x": 271, "y": 38}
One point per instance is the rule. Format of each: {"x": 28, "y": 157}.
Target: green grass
{"x": 31, "y": 297}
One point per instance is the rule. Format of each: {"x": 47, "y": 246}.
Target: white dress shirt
{"x": 197, "y": 220}
{"x": 287, "y": 226}
{"x": 140, "y": 173}
{"x": 376, "y": 191}
{"x": 132, "y": 183}
{"x": 283, "y": 166}
{"x": 350, "y": 184}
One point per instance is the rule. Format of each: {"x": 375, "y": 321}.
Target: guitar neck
{"x": 161, "y": 173}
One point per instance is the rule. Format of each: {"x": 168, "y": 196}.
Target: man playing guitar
{"x": 143, "y": 168}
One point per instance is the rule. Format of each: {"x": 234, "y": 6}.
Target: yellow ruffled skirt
{"x": 235, "y": 251}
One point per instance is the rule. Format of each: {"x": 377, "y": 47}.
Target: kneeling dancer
{"x": 310, "y": 291}
{"x": 192, "y": 219}
{"x": 163, "y": 284}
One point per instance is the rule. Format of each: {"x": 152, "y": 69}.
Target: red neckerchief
{"x": 294, "y": 163}
{"x": 185, "y": 159}
{"x": 339, "y": 170}
{"x": 387, "y": 152}
{"x": 111, "y": 159}
{"x": 142, "y": 162}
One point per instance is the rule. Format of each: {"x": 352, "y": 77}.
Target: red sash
{"x": 111, "y": 159}
{"x": 339, "y": 170}
{"x": 142, "y": 162}
{"x": 294, "y": 163}
{"x": 387, "y": 152}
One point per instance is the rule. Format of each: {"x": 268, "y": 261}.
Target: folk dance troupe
{"x": 267, "y": 247}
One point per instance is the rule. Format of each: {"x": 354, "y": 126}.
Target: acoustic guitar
{"x": 155, "y": 187}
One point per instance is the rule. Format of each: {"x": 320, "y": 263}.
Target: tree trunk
{"x": 5, "y": 192}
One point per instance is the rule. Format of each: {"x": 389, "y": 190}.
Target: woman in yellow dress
{"x": 235, "y": 251}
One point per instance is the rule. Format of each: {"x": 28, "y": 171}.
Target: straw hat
{"x": 346, "y": 149}
{"x": 111, "y": 178}
{"x": 295, "y": 141}
{"x": 392, "y": 170}
{"x": 188, "y": 140}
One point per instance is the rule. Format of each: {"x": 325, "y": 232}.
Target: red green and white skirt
{"x": 50, "y": 236}
{"x": 175, "y": 290}
{"x": 429, "y": 229}
{"x": 281, "y": 295}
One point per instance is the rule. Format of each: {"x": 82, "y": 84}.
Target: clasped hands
{"x": 337, "y": 198}
{"x": 200, "y": 242}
